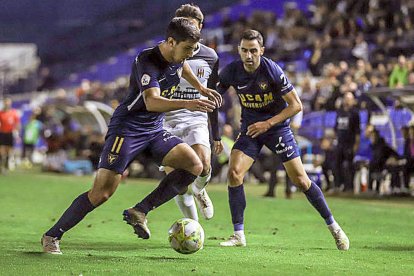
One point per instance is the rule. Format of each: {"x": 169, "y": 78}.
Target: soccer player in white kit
{"x": 192, "y": 126}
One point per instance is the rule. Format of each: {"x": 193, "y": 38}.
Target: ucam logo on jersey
{"x": 145, "y": 80}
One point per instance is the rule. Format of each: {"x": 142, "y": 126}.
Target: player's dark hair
{"x": 190, "y": 10}
{"x": 252, "y": 35}
{"x": 181, "y": 29}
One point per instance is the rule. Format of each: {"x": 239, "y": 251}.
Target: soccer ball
{"x": 186, "y": 236}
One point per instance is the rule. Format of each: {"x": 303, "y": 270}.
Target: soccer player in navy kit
{"x": 137, "y": 125}
{"x": 268, "y": 100}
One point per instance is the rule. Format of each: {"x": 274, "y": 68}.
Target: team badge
{"x": 263, "y": 85}
{"x": 112, "y": 158}
{"x": 200, "y": 72}
{"x": 145, "y": 80}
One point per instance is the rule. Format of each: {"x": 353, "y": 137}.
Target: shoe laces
{"x": 52, "y": 242}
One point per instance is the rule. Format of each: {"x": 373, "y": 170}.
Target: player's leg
{"x": 298, "y": 176}
{"x": 3, "y": 158}
{"x": 104, "y": 186}
{"x": 203, "y": 200}
{"x": 172, "y": 152}
{"x": 185, "y": 201}
{"x": 115, "y": 158}
{"x": 239, "y": 164}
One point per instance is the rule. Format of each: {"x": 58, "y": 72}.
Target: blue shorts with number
{"x": 280, "y": 141}
{"x": 120, "y": 151}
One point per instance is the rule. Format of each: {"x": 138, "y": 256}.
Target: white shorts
{"x": 190, "y": 134}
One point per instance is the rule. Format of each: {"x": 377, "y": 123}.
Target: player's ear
{"x": 262, "y": 50}
{"x": 171, "y": 41}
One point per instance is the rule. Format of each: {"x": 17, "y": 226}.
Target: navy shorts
{"x": 280, "y": 141}
{"x": 120, "y": 151}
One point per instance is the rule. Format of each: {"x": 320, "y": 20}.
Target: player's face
{"x": 183, "y": 50}
{"x": 250, "y": 52}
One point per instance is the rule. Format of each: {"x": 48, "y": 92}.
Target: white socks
{"x": 239, "y": 233}
{"x": 187, "y": 205}
{"x": 334, "y": 226}
{"x": 186, "y": 201}
{"x": 200, "y": 183}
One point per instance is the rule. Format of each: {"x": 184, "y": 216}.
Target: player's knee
{"x": 196, "y": 167}
{"x": 99, "y": 198}
{"x": 235, "y": 177}
{"x": 206, "y": 168}
{"x": 303, "y": 182}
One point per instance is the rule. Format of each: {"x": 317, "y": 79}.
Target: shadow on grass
{"x": 163, "y": 258}
{"x": 397, "y": 248}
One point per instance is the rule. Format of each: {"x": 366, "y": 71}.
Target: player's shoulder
{"x": 208, "y": 51}
{"x": 149, "y": 56}
{"x": 271, "y": 64}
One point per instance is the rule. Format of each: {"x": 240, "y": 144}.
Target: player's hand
{"x": 212, "y": 95}
{"x": 258, "y": 128}
{"x": 218, "y": 147}
{"x": 203, "y": 105}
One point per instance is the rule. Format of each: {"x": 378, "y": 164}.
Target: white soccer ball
{"x": 186, "y": 236}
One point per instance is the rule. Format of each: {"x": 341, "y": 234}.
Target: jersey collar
{"x": 197, "y": 49}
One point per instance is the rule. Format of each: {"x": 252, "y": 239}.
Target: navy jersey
{"x": 149, "y": 69}
{"x": 260, "y": 93}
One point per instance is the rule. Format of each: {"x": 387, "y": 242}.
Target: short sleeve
{"x": 280, "y": 78}
{"x": 146, "y": 74}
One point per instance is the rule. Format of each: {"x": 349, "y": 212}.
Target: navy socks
{"x": 317, "y": 199}
{"x": 79, "y": 208}
{"x": 168, "y": 188}
{"x": 237, "y": 202}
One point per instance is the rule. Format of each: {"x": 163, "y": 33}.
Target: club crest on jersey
{"x": 263, "y": 85}
{"x": 200, "y": 72}
{"x": 112, "y": 158}
{"x": 145, "y": 80}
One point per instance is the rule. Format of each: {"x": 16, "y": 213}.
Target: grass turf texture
{"x": 283, "y": 236}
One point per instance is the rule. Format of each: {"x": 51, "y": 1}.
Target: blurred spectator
{"x": 31, "y": 134}
{"x": 360, "y": 49}
{"x": 408, "y": 153}
{"x": 383, "y": 157}
{"x": 347, "y": 130}
{"x": 9, "y": 131}
{"x": 399, "y": 74}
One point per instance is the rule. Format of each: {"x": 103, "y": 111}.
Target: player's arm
{"x": 213, "y": 116}
{"x": 192, "y": 79}
{"x": 155, "y": 103}
{"x": 294, "y": 106}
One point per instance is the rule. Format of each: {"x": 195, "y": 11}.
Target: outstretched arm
{"x": 155, "y": 103}
{"x": 192, "y": 79}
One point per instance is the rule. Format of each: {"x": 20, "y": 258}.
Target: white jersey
{"x": 204, "y": 64}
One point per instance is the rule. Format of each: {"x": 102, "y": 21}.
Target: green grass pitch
{"x": 284, "y": 237}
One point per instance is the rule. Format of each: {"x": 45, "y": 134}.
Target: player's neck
{"x": 166, "y": 54}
